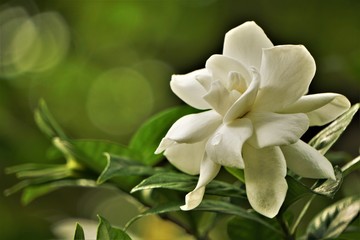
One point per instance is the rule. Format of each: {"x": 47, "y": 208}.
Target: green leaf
{"x": 186, "y": 183}
{"x": 149, "y": 135}
{"x": 107, "y": 232}
{"x": 242, "y": 228}
{"x": 32, "y": 192}
{"x": 28, "y": 167}
{"x": 351, "y": 232}
{"x": 236, "y": 172}
{"x": 330, "y": 187}
{"x": 351, "y": 166}
{"x": 296, "y": 191}
{"x": 39, "y": 177}
{"x": 119, "y": 166}
{"x": 163, "y": 208}
{"x": 333, "y": 220}
{"x": 91, "y": 152}
{"x": 218, "y": 206}
{"x": 46, "y": 121}
{"x": 79, "y": 232}
{"x": 328, "y": 136}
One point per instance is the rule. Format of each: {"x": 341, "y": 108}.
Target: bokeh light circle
{"x": 119, "y": 100}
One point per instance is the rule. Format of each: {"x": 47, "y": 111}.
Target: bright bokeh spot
{"x": 119, "y": 100}
{"x": 31, "y": 43}
{"x": 10, "y": 21}
{"x": 49, "y": 42}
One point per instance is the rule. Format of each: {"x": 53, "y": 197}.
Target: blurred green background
{"x": 104, "y": 66}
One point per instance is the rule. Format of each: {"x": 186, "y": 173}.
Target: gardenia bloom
{"x": 255, "y": 114}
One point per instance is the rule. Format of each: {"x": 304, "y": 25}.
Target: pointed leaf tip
{"x": 79, "y": 232}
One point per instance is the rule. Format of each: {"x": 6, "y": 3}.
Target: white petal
{"x": 273, "y": 129}
{"x": 219, "y": 97}
{"x": 225, "y": 146}
{"x": 286, "y": 73}
{"x": 191, "y": 128}
{"x": 245, "y": 44}
{"x": 205, "y": 81}
{"x": 321, "y": 108}
{"x": 186, "y": 157}
{"x": 245, "y": 102}
{"x": 265, "y": 171}
{"x": 189, "y": 89}
{"x": 221, "y": 66}
{"x": 305, "y": 161}
{"x": 208, "y": 171}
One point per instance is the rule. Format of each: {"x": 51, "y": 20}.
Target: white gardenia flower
{"x": 256, "y": 114}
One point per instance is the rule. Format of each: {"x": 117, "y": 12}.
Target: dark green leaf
{"x": 333, "y": 220}
{"x": 107, "y": 232}
{"x": 149, "y": 135}
{"x": 79, "y": 233}
{"x": 236, "y": 172}
{"x": 186, "y": 183}
{"x": 118, "y": 166}
{"x": 218, "y": 206}
{"x": 34, "y": 191}
{"x": 296, "y": 190}
{"x": 242, "y": 228}
{"x": 228, "y": 208}
{"x": 352, "y": 231}
{"x": 328, "y": 136}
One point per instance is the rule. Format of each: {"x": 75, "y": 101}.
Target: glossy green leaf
{"x": 79, "y": 232}
{"x": 118, "y": 166}
{"x": 333, "y": 220}
{"x": 186, "y": 183}
{"x": 32, "y": 192}
{"x": 330, "y": 187}
{"x": 149, "y": 135}
{"x": 107, "y": 232}
{"x": 328, "y": 136}
{"x": 242, "y": 228}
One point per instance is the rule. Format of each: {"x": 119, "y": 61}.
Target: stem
{"x": 285, "y": 228}
{"x": 301, "y": 215}
{"x": 303, "y": 211}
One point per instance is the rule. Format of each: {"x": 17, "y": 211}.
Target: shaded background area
{"x": 104, "y": 67}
